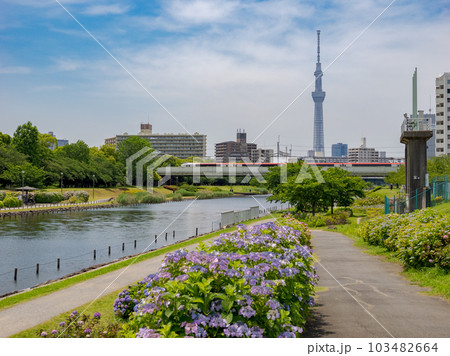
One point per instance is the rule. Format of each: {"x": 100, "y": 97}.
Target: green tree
{"x": 310, "y": 190}
{"x": 33, "y": 176}
{"x": 5, "y": 139}
{"x": 341, "y": 188}
{"x": 438, "y": 166}
{"x": 78, "y": 151}
{"x": 397, "y": 177}
{"x": 131, "y": 146}
{"x": 26, "y": 141}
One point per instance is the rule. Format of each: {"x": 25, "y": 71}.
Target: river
{"x": 72, "y": 237}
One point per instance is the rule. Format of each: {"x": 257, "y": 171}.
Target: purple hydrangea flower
{"x": 247, "y": 312}
{"x": 147, "y": 333}
{"x": 87, "y": 331}
{"x": 44, "y": 334}
{"x": 62, "y": 324}
{"x": 261, "y": 290}
{"x": 97, "y": 315}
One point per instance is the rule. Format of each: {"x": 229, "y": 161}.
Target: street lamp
{"x": 62, "y": 182}
{"x": 93, "y": 184}
{"x": 23, "y": 183}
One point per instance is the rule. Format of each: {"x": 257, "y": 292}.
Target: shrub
{"x": 155, "y": 198}
{"x": 126, "y": 199}
{"x": 222, "y": 194}
{"x": 11, "y": 202}
{"x": 205, "y": 194}
{"x": 419, "y": 239}
{"x": 371, "y": 200}
{"x": 2, "y": 195}
{"x": 255, "y": 282}
{"x": 67, "y": 195}
{"x": 47, "y": 198}
{"x": 177, "y": 197}
{"x": 140, "y": 198}
{"x": 186, "y": 193}
{"x": 81, "y": 196}
{"x": 338, "y": 218}
{"x": 1, "y": 204}
{"x": 348, "y": 210}
{"x": 189, "y": 188}
{"x": 82, "y": 326}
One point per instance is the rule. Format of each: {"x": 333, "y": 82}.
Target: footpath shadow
{"x": 316, "y": 326}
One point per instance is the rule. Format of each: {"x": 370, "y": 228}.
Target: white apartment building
{"x": 443, "y": 115}
{"x": 363, "y": 154}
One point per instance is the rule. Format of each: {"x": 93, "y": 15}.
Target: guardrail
{"x": 419, "y": 124}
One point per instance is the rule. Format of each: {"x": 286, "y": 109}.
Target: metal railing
{"x": 419, "y": 124}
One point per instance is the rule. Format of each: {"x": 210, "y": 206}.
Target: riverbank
{"x": 56, "y": 209}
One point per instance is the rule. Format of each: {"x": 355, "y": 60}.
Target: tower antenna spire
{"x": 318, "y": 46}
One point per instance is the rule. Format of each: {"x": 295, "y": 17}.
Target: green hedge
{"x": 47, "y": 198}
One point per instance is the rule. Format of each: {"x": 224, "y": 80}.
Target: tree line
{"x": 76, "y": 164}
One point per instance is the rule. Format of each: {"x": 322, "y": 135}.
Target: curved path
{"x": 397, "y": 308}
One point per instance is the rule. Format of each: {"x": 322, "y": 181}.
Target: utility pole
{"x": 278, "y": 150}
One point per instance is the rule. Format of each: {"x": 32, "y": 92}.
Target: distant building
{"x": 178, "y": 145}
{"x": 339, "y": 150}
{"x": 443, "y": 115}
{"x": 59, "y": 142}
{"x": 261, "y": 155}
{"x": 238, "y": 150}
{"x": 363, "y": 154}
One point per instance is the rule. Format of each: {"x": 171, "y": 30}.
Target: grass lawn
{"x": 443, "y": 208}
{"x": 388, "y": 192}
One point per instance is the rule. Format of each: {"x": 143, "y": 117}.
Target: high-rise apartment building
{"x": 363, "y": 154}
{"x": 443, "y": 114}
{"x": 178, "y": 145}
{"x": 239, "y": 150}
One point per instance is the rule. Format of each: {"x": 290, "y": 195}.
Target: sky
{"x": 215, "y": 66}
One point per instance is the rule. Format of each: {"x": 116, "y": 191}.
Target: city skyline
{"x": 219, "y": 65}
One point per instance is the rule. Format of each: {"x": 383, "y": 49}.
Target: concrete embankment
{"x": 59, "y": 209}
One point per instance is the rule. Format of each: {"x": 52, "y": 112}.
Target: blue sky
{"x": 218, "y": 66}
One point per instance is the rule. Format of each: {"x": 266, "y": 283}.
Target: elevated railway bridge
{"x": 371, "y": 172}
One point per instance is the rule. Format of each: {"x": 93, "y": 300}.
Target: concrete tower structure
{"x": 318, "y": 97}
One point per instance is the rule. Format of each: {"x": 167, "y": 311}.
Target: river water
{"x": 72, "y": 237}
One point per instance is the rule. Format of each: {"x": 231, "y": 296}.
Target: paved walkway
{"x": 398, "y": 307}
{"x": 34, "y": 312}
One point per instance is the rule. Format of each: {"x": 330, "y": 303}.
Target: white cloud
{"x": 112, "y": 9}
{"x": 15, "y": 70}
{"x": 67, "y": 65}
{"x": 201, "y": 11}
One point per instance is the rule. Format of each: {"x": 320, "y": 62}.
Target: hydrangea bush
{"x": 420, "y": 239}
{"x": 255, "y": 282}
